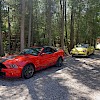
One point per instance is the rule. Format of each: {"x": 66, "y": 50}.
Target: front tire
{"x": 87, "y": 54}
{"x": 28, "y": 71}
{"x": 93, "y": 52}
{"x": 59, "y": 62}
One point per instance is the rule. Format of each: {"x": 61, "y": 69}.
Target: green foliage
{"x": 86, "y": 21}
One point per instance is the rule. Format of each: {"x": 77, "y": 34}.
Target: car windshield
{"x": 32, "y": 51}
{"x": 82, "y": 46}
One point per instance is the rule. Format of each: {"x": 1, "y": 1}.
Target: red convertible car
{"x": 30, "y": 60}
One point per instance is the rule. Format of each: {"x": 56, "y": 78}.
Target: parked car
{"x": 30, "y": 60}
{"x": 97, "y": 43}
{"x": 82, "y": 50}
{"x": 98, "y": 46}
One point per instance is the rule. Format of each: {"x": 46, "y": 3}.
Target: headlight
{"x": 13, "y": 66}
{"x": 73, "y": 50}
{"x": 84, "y": 50}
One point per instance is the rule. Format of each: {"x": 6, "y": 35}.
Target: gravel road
{"x": 77, "y": 79}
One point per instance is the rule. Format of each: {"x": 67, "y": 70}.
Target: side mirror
{"x": 43, "y": 54}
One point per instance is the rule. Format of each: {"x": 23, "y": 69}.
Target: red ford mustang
{"x": 30, "y": 60}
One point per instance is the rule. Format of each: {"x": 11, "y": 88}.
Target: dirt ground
{"x": 77, "y": 79}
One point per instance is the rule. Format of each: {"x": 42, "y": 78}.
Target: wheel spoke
{"x": 59, "y": 62}
{"x": 28, "y": 71}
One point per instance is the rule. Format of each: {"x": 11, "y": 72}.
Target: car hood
{"x": 79, "y": 49}
{"x": 12, "y": 58}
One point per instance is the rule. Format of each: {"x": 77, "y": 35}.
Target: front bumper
{"x": 79, "y": 53}
{"x": 7, "y": 72}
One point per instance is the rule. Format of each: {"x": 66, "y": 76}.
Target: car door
{"x": 46, "y": 57}
{"x": 52, "y": 56}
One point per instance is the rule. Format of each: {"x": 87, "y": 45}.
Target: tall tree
{"x": 48, "y": 20}
{"x": 65, "y": 20}
{"x": 79, "y": 21}
{"x": 72, "y": 28}
{"x": 1, "y": 45}
{"x": 9, "y": 31}
{"x": 30, "y": 22}
{"x": 62, "y": 4}
{"x": 22, "y": 24}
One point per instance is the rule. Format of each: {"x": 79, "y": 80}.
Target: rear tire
{"x": 59, "y": 62}
{"x": 28, "y": 71}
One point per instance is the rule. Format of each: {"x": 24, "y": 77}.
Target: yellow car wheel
{"x": 87, "y": 54}
{"x": 93, "y": 52}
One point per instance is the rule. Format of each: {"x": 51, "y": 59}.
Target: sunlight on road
{"x": 96, "y": 95}
{"x": 77, "y": 89}
{"x": 20, "y": 92}
{"x": 78, "y": 79}
{"x": 89, "y": 61}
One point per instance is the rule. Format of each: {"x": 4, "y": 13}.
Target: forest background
{"x": 63, "y": 23}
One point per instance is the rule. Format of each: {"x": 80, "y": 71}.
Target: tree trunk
{"x": 77, "y": 36}
{"x": 1, "y": 45}
{"x": 77, "y": 32}
{"x": 32, "y": 38}
{"x": 30, "y": 23}
{"x": 67, "y": 44}
{"x": 48, "y": 19}
{"x": 9, "y": 31}
{"x": 78, "y": 26}
{"x": 22, "y": 24}
{"x": 72, "y": 29}
{"x": 62, "y": 23}
{"x": 65, "y": 21}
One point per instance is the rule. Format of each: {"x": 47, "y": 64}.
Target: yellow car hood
{"x": 79, "y": 49}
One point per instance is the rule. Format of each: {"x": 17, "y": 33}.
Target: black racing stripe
{"x": 6, "y": 58}
{"x": 3, "y": 60}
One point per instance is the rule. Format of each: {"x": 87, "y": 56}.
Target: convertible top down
{"x": 30, "y": 60}
{"x": 82, "y": 50}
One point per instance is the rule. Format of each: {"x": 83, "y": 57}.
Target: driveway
{"x": 77, "y": 79}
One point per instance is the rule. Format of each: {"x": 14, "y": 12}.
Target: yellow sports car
{"x": 82, "y": 50}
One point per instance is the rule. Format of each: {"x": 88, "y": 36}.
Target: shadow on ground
{"x": 88, "y": 73}
{"x": 44, "y": 86}
{"x": 40, "y": 87}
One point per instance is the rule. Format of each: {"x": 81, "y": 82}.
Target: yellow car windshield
{"x": 82, "y": 46}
